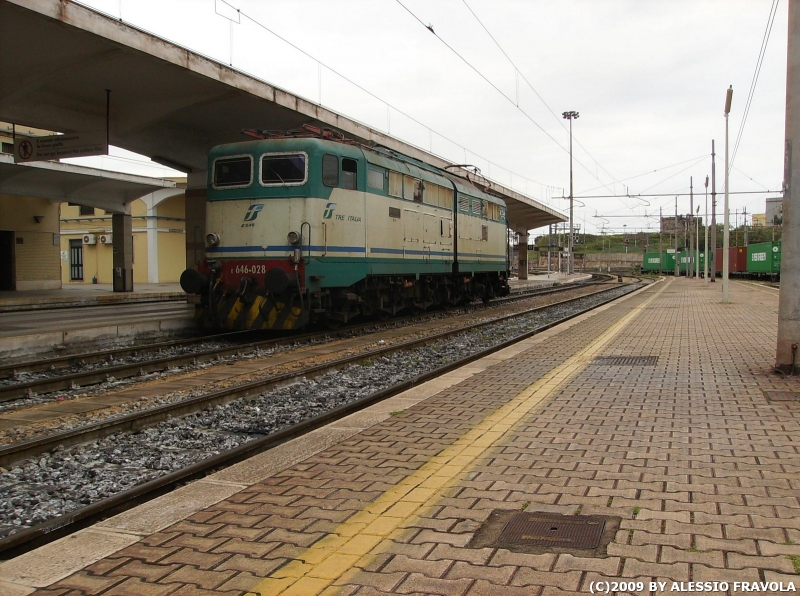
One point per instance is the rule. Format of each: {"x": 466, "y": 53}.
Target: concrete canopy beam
{"x": 61, "y": 182}
{"x": 205, "y": 103}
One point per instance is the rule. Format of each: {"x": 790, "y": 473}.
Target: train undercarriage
{"x": 252, "y": 306}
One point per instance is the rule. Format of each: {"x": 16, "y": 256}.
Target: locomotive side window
{"x": 349, "y": 174}
{"x": 283, "y": 169}
{"x": 408, "y": 188}
{"x": 375, "y": 179}
{"x": 432, "y": 194}
{"x": 330, "y": 170}
{"x": 395, "y": 184}
{"x": 446, "y": 198}
{"x": 233, "y": 171}
{"x": 418, "y": 189}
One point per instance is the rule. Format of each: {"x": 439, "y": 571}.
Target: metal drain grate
{"x": 782, "y": 396}
{"x": 625, "y": 361}
{"x": 552, "y": 529}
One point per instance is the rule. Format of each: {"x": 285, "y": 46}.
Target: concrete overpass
{"x": 57, "y": 59}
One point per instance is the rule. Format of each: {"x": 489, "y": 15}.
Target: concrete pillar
{"x": 152, "y": 201}
{"x": 152, "y": 245}
{"x": 195, "y": 218}
{"x": 522, "y": 269}
{"x": 789, "y": 305}
{"x": 122, "y": 230}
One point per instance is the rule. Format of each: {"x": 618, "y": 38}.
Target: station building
{"x": 159, "y": 240}
{"x": 56, "y": 222}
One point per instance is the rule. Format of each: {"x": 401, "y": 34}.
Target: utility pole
{"x": 660, "y": 243}
{"x": 713, "y": 274}
{"x": 677, "y": 260}
{"x": 571, "y": 115}
{"x": 697, "y": 235}
{"x": 707, "y": 260}
{"x": 745, "y": 226}
{"x": 789, "y": 300}
{"x": 690, "y": 262}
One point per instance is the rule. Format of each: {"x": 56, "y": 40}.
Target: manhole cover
{"x": 552, "y": 529}
{"x": 625, "y": 361}
{"x": 782, "y": 395}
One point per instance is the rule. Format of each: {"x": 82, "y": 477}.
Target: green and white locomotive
{"x": 306, "y": 230}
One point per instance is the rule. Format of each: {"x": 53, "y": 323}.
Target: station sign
{"x": 82, "y": 144}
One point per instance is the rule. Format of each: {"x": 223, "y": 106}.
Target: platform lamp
{"x": 726, "y": 236}
{"x": 571, "y": 115}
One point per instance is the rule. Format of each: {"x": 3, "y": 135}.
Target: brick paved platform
{"x": 700, "y": 466}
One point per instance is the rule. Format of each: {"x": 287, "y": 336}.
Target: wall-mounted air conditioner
{"x": 106, "y": 239}
{"x": 89, "y": 239}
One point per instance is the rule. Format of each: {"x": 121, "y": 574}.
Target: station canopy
{"x": 63, "y": 182}
{"x": 58, "y": 58}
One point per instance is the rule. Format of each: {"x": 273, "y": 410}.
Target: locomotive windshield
{"x": 283, "y": 169}
{"x": 233, "y": 171}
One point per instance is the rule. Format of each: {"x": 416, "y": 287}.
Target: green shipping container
{"x": 684, "y": 256}
{"x": 652, "y": 262}
{"x": 764, "y": 257}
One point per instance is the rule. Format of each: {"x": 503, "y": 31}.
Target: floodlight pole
{"x": 706, "y": 258}
{"x": 571, "y": 115}
{"x": 726, "y": 236}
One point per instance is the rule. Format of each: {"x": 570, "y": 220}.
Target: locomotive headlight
{"x": 212, "y": 239}
{"x": 293, "y": 237}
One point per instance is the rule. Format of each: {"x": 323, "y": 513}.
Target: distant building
{"x": 774, "y": 211}
{"x": 759, "y": 220}
{"x": 684, "y": 221}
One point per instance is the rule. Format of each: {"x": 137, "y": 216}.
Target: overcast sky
{"x": 648, "y": 78}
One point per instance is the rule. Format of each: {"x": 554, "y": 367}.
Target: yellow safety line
{"x": 353, "y": 543}
{"x": 759, "y": 286}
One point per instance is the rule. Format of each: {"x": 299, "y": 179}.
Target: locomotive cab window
{"x": 283, "y": 169}
{"x": 330, "y": 170}
{"x": 233, "y": 172}
{"x": 349, "y": 174}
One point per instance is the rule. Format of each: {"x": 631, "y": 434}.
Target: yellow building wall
{"x": 172, "y": 207}
{"x": 37, "y": 261}
{"x": 171, "y": 261}
{"x": 98, "y": 258}
{"x": 139, "y": 254}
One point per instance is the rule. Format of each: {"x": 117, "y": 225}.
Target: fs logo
{"x": 328, "y": 213}
{"x": 253, "y": 212}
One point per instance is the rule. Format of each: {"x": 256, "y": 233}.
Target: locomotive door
{"x": 430, "y": 234}
{"x": 412, "y": 233}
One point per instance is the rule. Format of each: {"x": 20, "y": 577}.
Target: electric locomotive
{"x": 304, "y": 230}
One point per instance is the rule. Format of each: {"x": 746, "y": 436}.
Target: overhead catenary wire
{"x": 532, "y": 88}
{"x": 259, "y": 24}
{"x": 509, "y": 99}
{"x": 759, "y": 62}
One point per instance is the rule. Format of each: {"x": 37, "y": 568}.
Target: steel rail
{"x": 126, "y": 370}
{"x": 15, "y": 452}
{"x": 49, "y": 531}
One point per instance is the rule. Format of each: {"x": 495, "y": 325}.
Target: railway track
{"x": 30, "y": 538}
{"x": 148, "y": 359}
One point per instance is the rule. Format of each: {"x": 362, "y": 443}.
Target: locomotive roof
{"x": 392, "y": 161}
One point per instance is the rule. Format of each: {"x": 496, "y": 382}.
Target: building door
{"x": 76, "y": 260}
{"x": 7, "y": 282}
